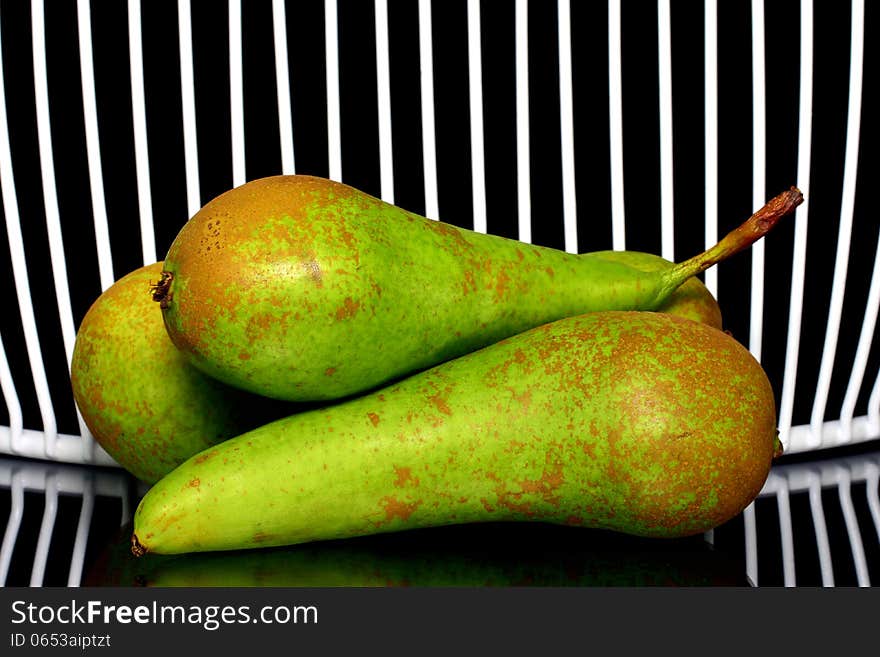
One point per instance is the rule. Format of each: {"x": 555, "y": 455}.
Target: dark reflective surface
{"x": 475, "y": 555}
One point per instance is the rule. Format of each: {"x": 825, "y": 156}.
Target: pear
{"x": 641, "y": 423}
{"x": 140, "y": 398}
{"x": 305, "y": 289}
{"x": 692, "y": 299}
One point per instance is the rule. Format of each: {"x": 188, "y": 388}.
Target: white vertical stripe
{"x": 844, "y": 235}
{"x": 759, "y": 148}
{"x": 429, "y": 146}
{"x": 874, "y": 408}
{"x": 823, "y": 546}
{"x": 236, "y": 95}
{"x": 188, "y": 105}
{"x": 93, "y": 146}
{"x": 566, "y": 122}
{"x": 786, "y": 534}
{"x": 872, "y": 491}
{"x": 860, "y": 361}
{"x": 96, "y": 177}
{"x": 523, "y": 168}
{"x": 77, "y": 558}
{"x": 47, "y": 525}
{"x": 799, "y": 260}
{"x": 334, "y": 130}
{"x": 139, "y": 118}
{"x": 751, "y": 538}
{"x": 10, "y": 536}
{"x": 13, "y": 405}
{"x": 667, "y": 189}
{"x": 22, "y": 289}
{"x": 711, "y": 137}
{"x": 844, "y": 489}
{"x": 615, "y": 116}
{"x": 282, "y": 83}
{"x": 475, "y": 91}
{"x": 50, "y": 198}
{"x": 383, "y": 89}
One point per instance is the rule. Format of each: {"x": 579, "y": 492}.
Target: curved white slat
{"x": 759, "y": 153}
{"x": 16, "y": 511}
{"x": 188, "y": 107}
{"x": 823, "y": 546}
{"x": 96, "y": 178}
{"x": 615, "y": 116}
{"x": 874, "y": 409}
{"x": 844, "y": 489}
{"x": 860, "y": 361}
{"x": 523, "y": 166}
{"x": 799, "y": 261}
{"x": 710, "y": 81}
{"x": 751, "y": 543}
{"x": 77, "y": 557}
{"x": 50, "y": 203}
{"x": 331, "y": 53}
{"x": 783, "y": 504}
{"x": 566, "y": 122}
{"x": 872, "y": 490}
{"x": 47, "y": 525}
{"x": 475, "y": 92}
{"x": 236, "y": 95}
{"x": 847, "y": 204}
{"x": 667, "y": 189}
{"x": 139, "y": 119}
{"x": 282, "y": 87}
{"x": 383, "y": 93}
{"x": 93, "y": 146}
{"x": 429, "y": 137}
{"x": 13, "y": 406}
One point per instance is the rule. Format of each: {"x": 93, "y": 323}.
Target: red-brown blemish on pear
{"x": 395, "y": 509}
{"x": 404, "y": 477}
{"x": 348, "y": 309}
{"x": 440, "y": 401}
{"x": 374, "y": 418}
{"x": 262, "y": 537}
{"x": 201, "y": 458}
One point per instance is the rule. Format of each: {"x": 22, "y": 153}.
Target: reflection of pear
{"x": 640, "y": 422}
{"x": 302, "y": 288}
{"x": 141, "y": 399}
{"x": 474, "y": 556}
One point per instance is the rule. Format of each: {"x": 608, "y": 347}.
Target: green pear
{"x": 638, "y": 422}
{"x": 140, "y": 398}
{"x": 692, "y": 299}
{"x": 302, "y": 288}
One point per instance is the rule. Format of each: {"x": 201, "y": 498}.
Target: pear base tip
{"x": 137, "y": 549}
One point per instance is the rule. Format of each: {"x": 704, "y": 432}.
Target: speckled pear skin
{"x": 141, "y": 399}
{"x": 302, "y": 288}
{"x": 692, "y": 300}
{"x": 638, "y": 422}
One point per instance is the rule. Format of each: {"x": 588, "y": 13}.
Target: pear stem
{"x": 740, "y": 238}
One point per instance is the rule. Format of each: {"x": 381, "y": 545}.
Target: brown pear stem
{"x": 742, "y": 237}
